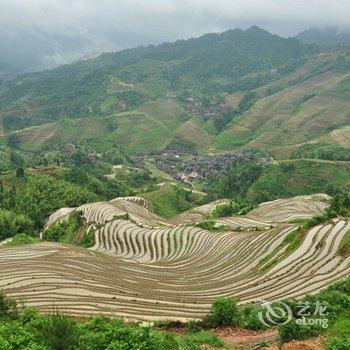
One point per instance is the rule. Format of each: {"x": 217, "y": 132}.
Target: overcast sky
{"x": 102, "y": 23}
{"x": 173, "y": 18}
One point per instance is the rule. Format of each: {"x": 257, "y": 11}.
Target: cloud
{"x": 170, "y": 18}
{"x": 109, "y": 25}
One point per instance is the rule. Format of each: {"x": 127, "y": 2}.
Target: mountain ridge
{"x": 197, "y": 75}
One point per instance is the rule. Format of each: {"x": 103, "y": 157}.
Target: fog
{"x": 59, "y": 31}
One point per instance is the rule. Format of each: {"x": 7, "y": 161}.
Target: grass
{"x": 157, "y": 172}
{"x": 294, "y": 111}
{"x": 212, "y": 226}
{"x": 170, "y": 200}
{"x": 200, "y": 340}
{"x": 299, "y": 177}
{"x": 344, "y": 247}
{"x": 293, "y": 241}
{"x": 22, "y": 239}
{"x": 286, "y": 118}
{"x": 151, "y": 126}
{"x": 340, "y": 328}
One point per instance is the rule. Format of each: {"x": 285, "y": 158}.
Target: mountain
{"x": 215, "y": 93}
{"x": 330, "y": 36}
{"x": 213, "y": 62}
{"x": 30, "y": 49}
{"x": 8, "y": 71}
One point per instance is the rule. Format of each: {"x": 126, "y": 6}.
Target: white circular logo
{"x": 279, "y": 313}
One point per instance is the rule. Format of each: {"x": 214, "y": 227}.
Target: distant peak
{"x": 256, "y": 28}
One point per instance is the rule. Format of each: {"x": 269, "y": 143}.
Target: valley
{"x": 164, "y": 194}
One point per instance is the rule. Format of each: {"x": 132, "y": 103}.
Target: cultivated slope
{"x": 172, "y": 271}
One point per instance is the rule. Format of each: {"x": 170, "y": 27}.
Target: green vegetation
{"x": 210, "y": 225}
{"x": 322, "y": 151}
{"x": 96, "y": 86}
{"x": 28, "y": 197}
{"x": 344, "y": 247}
{"x": 12, "y": 224}
{"x": 128, "y": 97}
{"x": 237, "y": 182}
{"x": 224, "y": 312}
{"x": 337, "y": 299}
{"x": 231, "y": 209}
{"x": 65, "y": 231}
{"x": 26, "y": 329}
{"x": 21, "y": 239}
{"x": 170, "y": 200}
{"x": 70, "y": 232}
{"x": 39, "y": 196}
{"x": 300, "y": 177}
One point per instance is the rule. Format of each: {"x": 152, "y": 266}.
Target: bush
{"x": 342, "y": 286}
{"x": 41, "y": 195}
{"x": 60, "y": 332}
{"x": 193, "y": 326}
{"x": 22, "y": 238}
{"x": 293, "y": 331}
{"x": 224, "y": 312}
{"x": 12, "y": 224}
{"x": 195, "y": 341}
{"x": 64, "y": 231}
{"x": 8, "y": 307}
{"x": 250, "y": 318}
{"x": 88, "y": 240}
{"x": 230, "y": 209}
{"x": 336, "y": 343}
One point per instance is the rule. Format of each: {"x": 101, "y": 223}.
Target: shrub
{"x": 342, "y": 286}
{"x": 195, "y": 341}
{"x": 8, "y": 307}
{"x": 250, "y": 317}
{"x": 12, "y": 224}
{"x": 64, "y": 231}
{"x": 60, "y": 332}
{"x": 293, "y": 331}
{"x": 22, "y": 238}
{"x": 335, "y": 343}
{"x": 224, "y": 312}
{"x": 88, "y": 240}
{"x": 193, "y": 326}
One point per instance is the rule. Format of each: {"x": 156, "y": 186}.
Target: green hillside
{"x": 254, "y": 89}
{"x": 301, "y": 107}
{"x": 131, "y": 76}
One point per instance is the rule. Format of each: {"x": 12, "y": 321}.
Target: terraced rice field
{"x": 147, "y": 267}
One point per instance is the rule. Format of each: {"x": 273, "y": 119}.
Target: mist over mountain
{"x": 40, "y": 34}
{"x": 28, "y": 49}
{"x": 329, "y": 36}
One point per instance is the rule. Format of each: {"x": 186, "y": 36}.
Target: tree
{"x": 60, "y": 332}
{"x": 224, "y": 312}
{"x": 16, "y": 159}
{"x": 1, "y": 192}
{"x": 8, "y": 307}
{"x": 20, "y": 172}
{"x": 13, "y": 141}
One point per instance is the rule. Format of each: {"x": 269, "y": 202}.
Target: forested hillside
{"x": 210, "y": 62}
{"x": 216, "y": 93}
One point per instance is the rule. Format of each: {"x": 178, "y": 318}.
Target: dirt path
{"x": 239, "y": 338}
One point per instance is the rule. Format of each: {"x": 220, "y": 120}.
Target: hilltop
{"x": 328, "y": 36}
{"x": 215, "y": 93}
{"x": 140, "y": 80}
